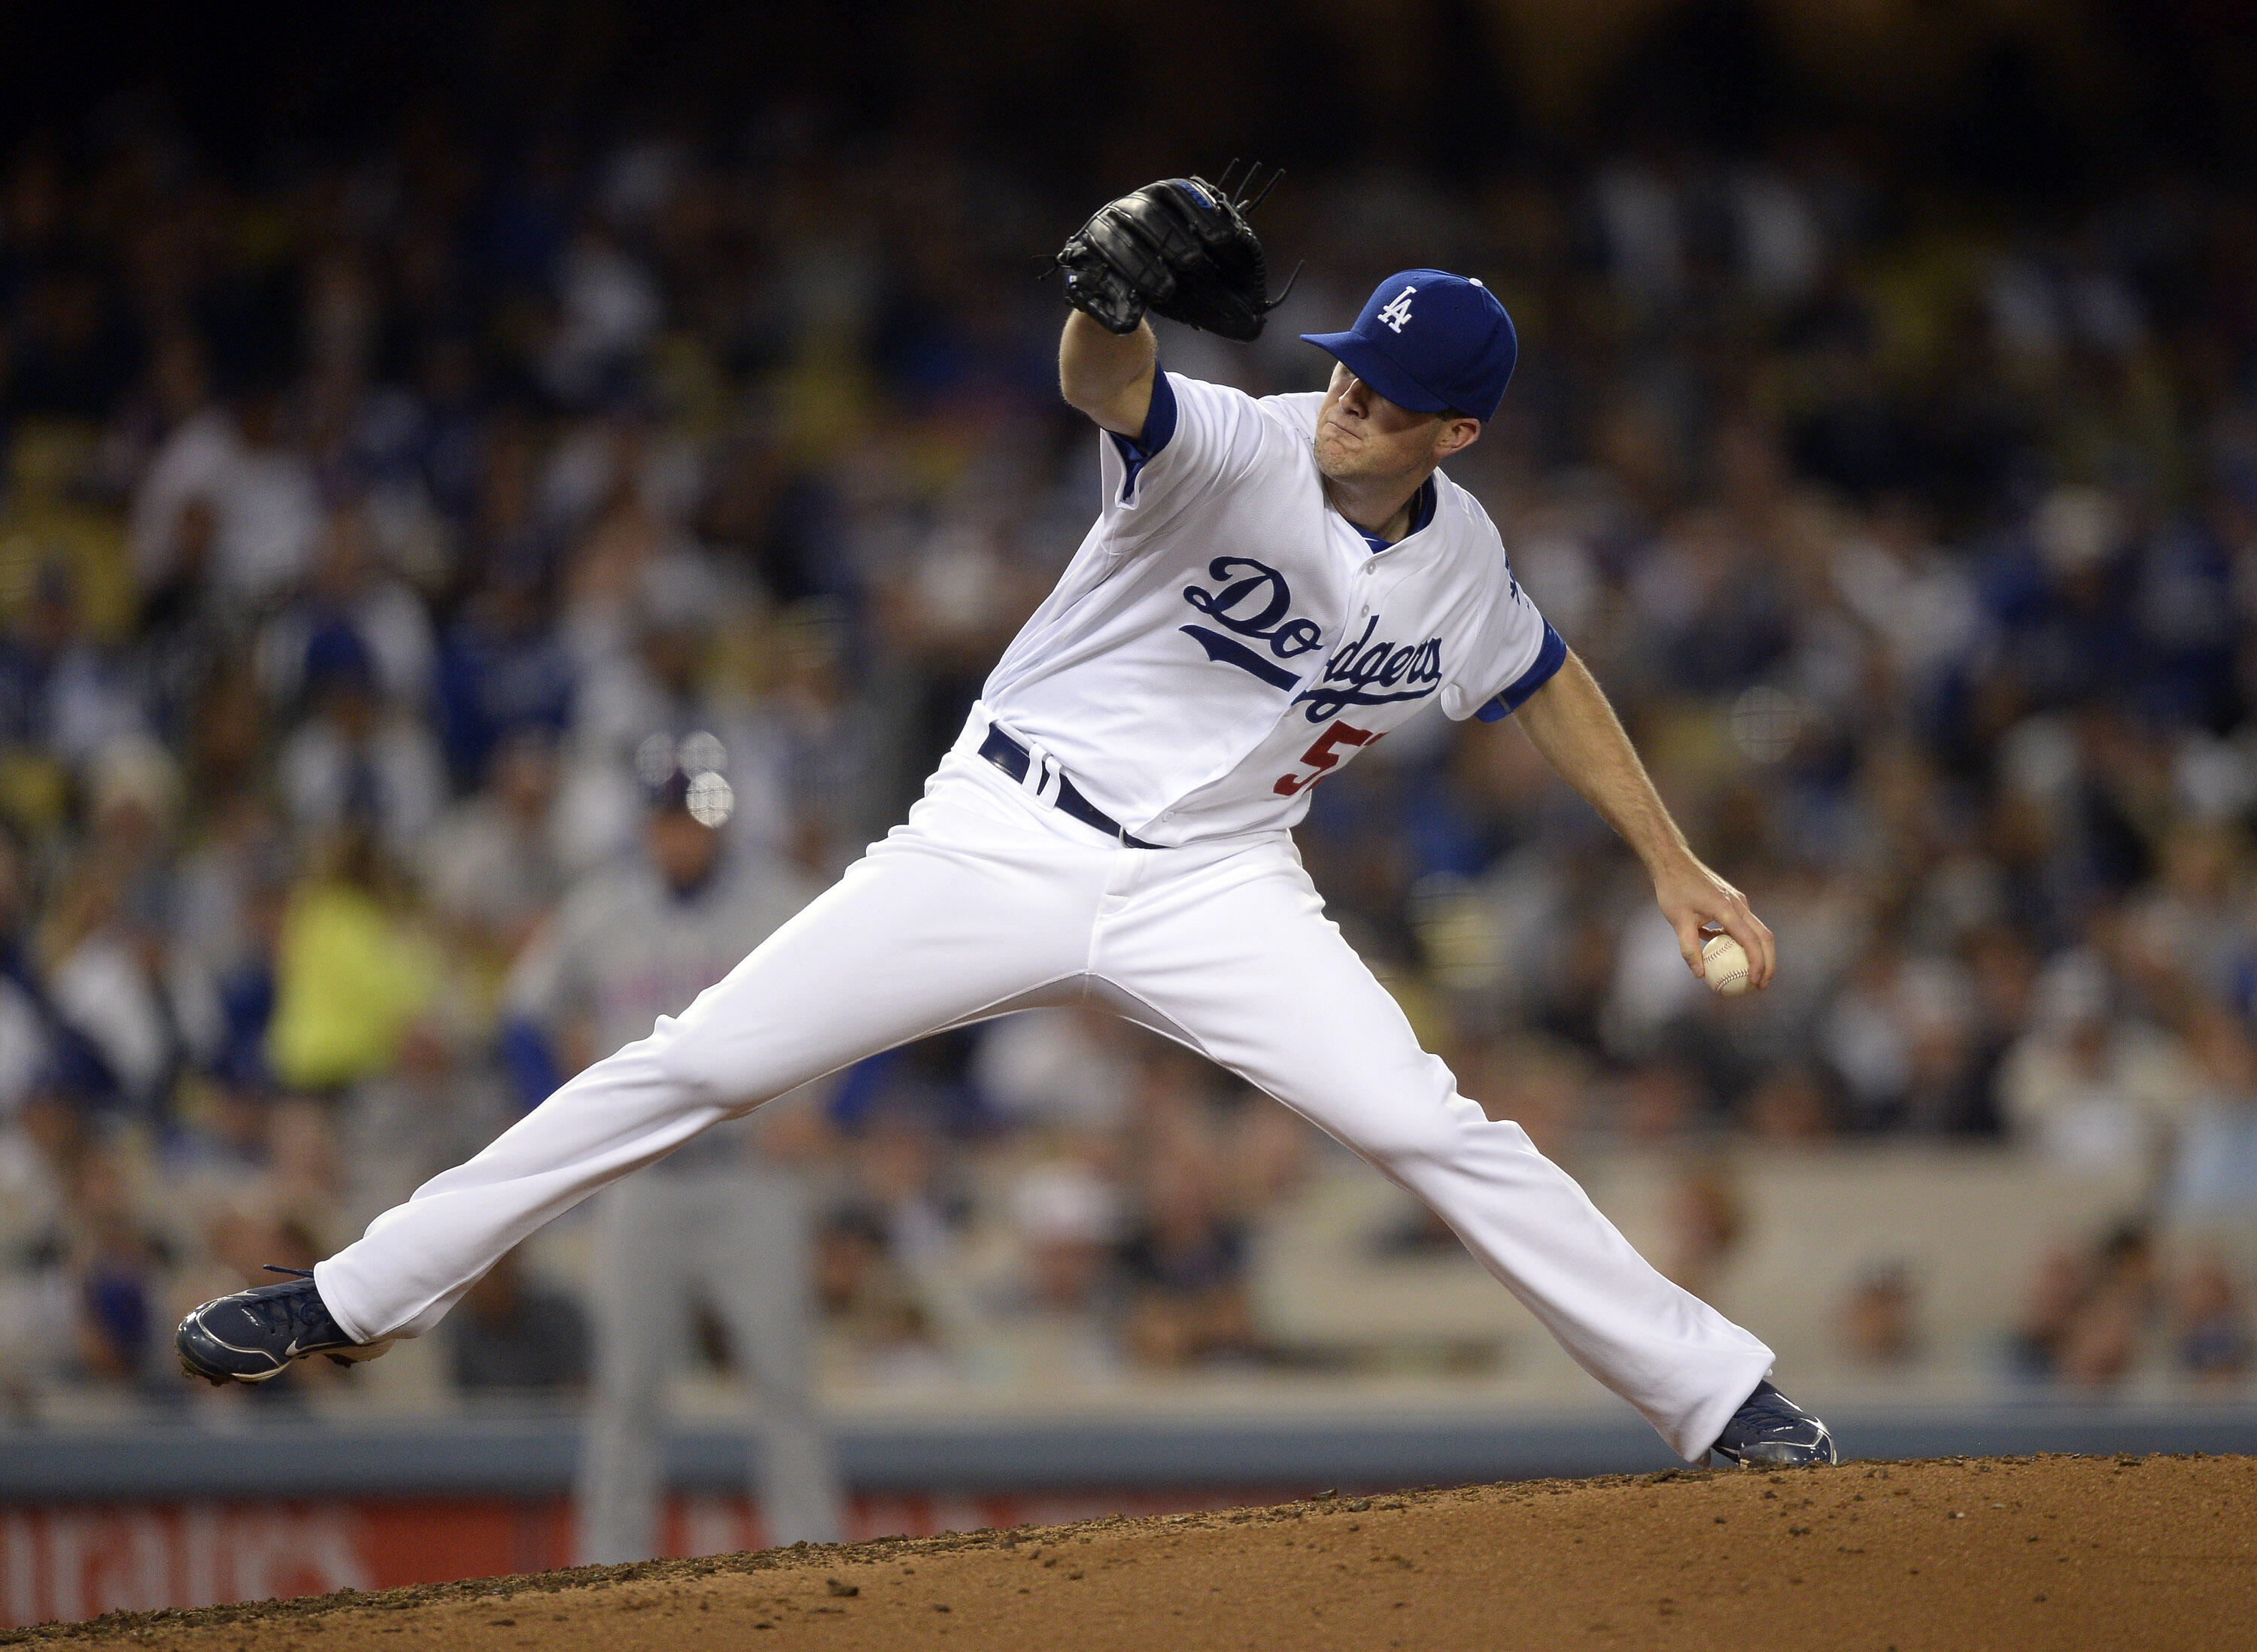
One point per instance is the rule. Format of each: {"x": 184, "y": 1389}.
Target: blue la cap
{"x": 1431, "y": 341}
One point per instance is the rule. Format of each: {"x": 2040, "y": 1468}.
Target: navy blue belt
{"x": 1009, "y": 756}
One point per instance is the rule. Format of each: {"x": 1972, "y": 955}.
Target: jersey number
{"x": 1321, "y": 757}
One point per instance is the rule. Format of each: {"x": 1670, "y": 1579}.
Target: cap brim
{"x": 1365, "y": 361}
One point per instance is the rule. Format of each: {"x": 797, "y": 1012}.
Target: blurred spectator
{"x": 105, "y": 1261}
{"x": 1898, "y": 1038}
{"x": 2211, "y": 1323}
{"x": 2104, "y": 1338}
{"x": 63, "y": 693}
{"x": 40, "y": 1049}
{"x": 1056, "y": 1070}
{"x": 39, "y": 1139}
{"x": 1706, "y": 1224}
{"x": 1068, "y": 1219}
{"x": 2086, "y": 1083}
{"x": 229, "y": 901}
{"x": 2213, "y": 1177}
{"x": 492, "y": 867}
{"x": 812, "y": 782}
{"x": 49, "y": 520}
{"x": 645, "y": 701}
{"x": 358, "y": 758}
{"x": 1790, "y": 1104}
{"x": 241, "y": 461}
{"x": 1880, "y": 1322}
{"x": 1659, "y": 1100}
{"x": 2056, "y": 1292}
{"x": 190, "y": 631}
{"x": 2088, "y": 1311}
{"x": 870, "y": 1300}
{"x": 903, "y": 1177}
{"x": 1185, "y": 1261}
{"x": 510, "y": 1335}
{"x": 348, "y": 590}
{"x": 351, "y": 972}
{"x": 143, "y": 1003}
{"x": 502, "y": 664}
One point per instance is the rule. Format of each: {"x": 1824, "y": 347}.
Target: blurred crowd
{"x": 362, "y": 529}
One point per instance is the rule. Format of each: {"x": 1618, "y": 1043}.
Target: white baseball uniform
{"x": 1222, "y": 639}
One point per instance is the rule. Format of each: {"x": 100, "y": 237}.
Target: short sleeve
{"x": 1516, "y": 654}
{"x": 1195, "y": 434}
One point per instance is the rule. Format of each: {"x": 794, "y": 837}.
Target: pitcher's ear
{"x": 1459, "y": 431}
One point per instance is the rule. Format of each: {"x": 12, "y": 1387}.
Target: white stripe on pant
{"x": 986, "y": 899}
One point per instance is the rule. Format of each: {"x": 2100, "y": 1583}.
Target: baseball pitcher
{"x": 1271, "y": 586}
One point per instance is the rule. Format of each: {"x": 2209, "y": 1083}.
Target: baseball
{"x": 1726, "y": 963}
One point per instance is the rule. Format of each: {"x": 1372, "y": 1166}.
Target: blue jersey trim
{"x": 1422, "y": 512}
{"x": 1159, "y": 430}
{"x": 1549, "y": 658}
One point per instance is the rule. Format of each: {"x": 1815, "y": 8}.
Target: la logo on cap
{"x": 1458, "y": 358}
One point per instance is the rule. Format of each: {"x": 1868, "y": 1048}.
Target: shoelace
{"x": 302, "y": 1311}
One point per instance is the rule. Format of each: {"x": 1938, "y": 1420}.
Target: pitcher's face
{"x": 1361, "y": 436}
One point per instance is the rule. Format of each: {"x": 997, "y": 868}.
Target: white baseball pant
{"x": 989, "y": 900}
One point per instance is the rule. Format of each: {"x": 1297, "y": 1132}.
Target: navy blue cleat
{"x": 258, "y": 1333}
{"x": 1770, "y": 1428}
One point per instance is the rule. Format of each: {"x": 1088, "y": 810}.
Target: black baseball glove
{"x": 1180, "y": 247}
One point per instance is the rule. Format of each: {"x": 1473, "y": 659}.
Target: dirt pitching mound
{"x": 2052, "y": 1552}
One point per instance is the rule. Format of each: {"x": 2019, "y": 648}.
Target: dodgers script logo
{"x": 1254, "y": 604}
{"x": 1253, "y": 601}
{"x": 1397, "y": 310}
{"x": 1363, "y": 672}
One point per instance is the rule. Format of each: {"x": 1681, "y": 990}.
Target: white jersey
{"x": 1224, "y": 637}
